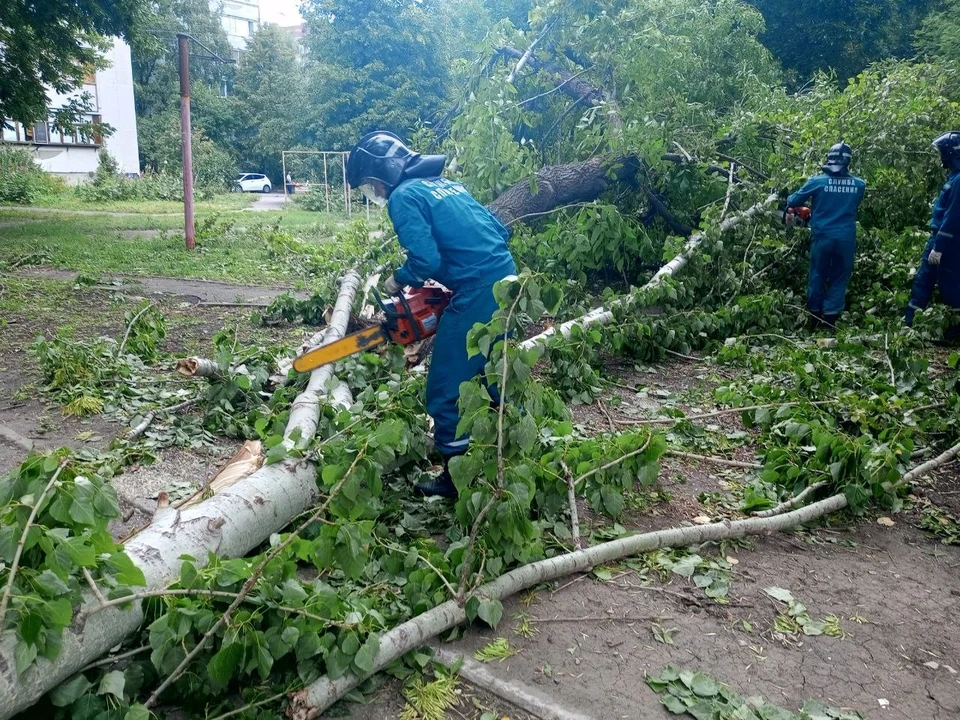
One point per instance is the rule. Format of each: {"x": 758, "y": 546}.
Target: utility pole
{"x": 183, "y": 65}
{"x": 183, "y": 47}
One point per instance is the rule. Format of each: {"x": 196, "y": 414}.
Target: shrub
{"x": 22, "y": 181}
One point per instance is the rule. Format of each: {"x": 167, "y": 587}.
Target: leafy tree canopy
{"x": 54, "y": 43}
{"x": 375, "y": 64}
{"x": 840, "y": 35}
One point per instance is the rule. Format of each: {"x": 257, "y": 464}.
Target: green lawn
{"x": 69, "y": 201}
{"x": 232, "y": 247}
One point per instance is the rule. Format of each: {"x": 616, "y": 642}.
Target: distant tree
{"x": 156, "y": 80}
{"x": 270, "y": 101}
{"x": 55, "y": 43}
{"x": 373, "y": 64}
{"x": 939, "y": 35}
{"x": 840, "y": 35}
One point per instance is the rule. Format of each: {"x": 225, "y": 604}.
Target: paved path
{"x": 197, "y": 291}
{"x": 268, "y": 202}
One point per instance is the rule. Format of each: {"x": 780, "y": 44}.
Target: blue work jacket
{"x": 835, "y": 202}
{"x": 945, "y": 223}
{"x": 449, "y": 237}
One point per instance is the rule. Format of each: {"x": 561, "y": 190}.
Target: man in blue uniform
{"x": 452, "y": 239}
{"x": 836, "y": 195}
{"x": 941, "y": 256}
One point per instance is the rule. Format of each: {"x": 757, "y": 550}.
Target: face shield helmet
{"x": 839, "y": 158}
{"x": 948, "y": 145}
{"x": 379, "y": 156}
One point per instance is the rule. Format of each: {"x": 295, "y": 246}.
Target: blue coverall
{"x": 945, "y": 233}
{"x": 834, "y": 228}
{"x": 452, "y": 239}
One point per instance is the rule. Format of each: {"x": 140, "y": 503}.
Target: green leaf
{"x": 674, "y": 704}
{"x": 290, "y": 635}
{"x": 112, "y": 684}
{"x": 9, "y": 538}
{"x": 124, "y": 571}
{"x": 490, "y": 611}
{"x": 67, "y": 693}
{"x": 367, "y": 654}
{"x": 224, "y": 664}
{"x": 337, "y": 663}
{"x": 137, "y": 712}
{"x": 23, "y": 655}
{"x": 350, "y": 644}
{"x": 59, "y": 612}
{"x": 780, "y": 594}
{"x": 704, "y": 686}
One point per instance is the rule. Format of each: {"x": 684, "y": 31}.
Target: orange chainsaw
{"x": 411, "y": 316}
{"x": 797, "y": 217}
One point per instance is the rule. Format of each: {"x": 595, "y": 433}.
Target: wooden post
{"x": 326, "y": 182}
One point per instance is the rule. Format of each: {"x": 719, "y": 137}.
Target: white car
{"x": 252, "y": 182}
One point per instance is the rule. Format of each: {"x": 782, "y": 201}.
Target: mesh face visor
{"x": 371, "y": 194}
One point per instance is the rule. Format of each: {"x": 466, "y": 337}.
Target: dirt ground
{"x": 894, "y": 589}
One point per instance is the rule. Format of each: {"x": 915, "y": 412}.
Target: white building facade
{"x": 240, "y": 19}
{"x": 74, "y": 155}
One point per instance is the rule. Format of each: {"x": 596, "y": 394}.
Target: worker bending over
{"x": 941, "y": 256}
{"x": 452, "y": 239}
{"x": 835, "y": 196}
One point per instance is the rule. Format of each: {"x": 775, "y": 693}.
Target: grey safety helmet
{"x": 948, "y": 145}
{"x": 839, "y": 158}
{"x": 383, "y": 156}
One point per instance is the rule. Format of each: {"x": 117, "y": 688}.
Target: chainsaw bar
{"x": 350, "y": 345}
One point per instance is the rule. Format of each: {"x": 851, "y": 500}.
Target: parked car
{"x": 253, "y": 182}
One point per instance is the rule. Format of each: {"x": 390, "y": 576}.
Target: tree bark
{"x": 559, "y": 185}
{"x": 230, "y": 524}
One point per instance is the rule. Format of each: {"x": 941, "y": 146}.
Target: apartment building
{"x": 73, "y": 155}
{"x": 240, "y": 20}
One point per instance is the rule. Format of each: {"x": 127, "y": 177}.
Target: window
{"x": 41, "y": 133}
{"x": 250, "y": 27}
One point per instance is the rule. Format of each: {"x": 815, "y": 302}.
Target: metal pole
{"x": 326, "y": 182}
{"x": 283, "y": 160}
{"x": 183, "y": 45}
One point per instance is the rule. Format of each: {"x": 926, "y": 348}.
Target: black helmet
{"x": 383, "y": 156}
{"x": 379, "y": 155}
{"x": 838, "y": 158}
{"x": 949, "y": 146}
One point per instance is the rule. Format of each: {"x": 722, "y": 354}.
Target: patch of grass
{"x": 98, "y": 244}
{"x": 498, "y": 650}
{"x": 69, "y": 201}
{"x": 429, "y": 701}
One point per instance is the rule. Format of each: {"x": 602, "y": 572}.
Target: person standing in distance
{"x": 449, "y": 238}
{"x": 835, "y": 196}
{"x": 940, "y": 263}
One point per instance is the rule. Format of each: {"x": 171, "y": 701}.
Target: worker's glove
{"x": 934, "y": 257}
{"x": 392, "y": 287}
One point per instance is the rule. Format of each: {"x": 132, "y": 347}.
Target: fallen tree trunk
{"x": 603, "y": 316}
{"x": 318, "y": 696}
{"x": 198, "y": 367}
{"x": 559, "y": 185}
{"x": 229, "y": 524}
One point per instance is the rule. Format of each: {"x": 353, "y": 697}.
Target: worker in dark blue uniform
{"x": 452, "y": 239}
{"x": 835, "y": 196}
{"x": 940, "y": 263}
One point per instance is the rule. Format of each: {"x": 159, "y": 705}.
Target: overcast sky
{"x": 281, "y": 12}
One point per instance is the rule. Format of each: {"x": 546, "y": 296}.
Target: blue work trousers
{"x": 450, "y": 365}
{"x": 947, "y": 274}
{"x": 831, "y": 265}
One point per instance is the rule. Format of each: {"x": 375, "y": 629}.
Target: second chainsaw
{"x": 411, "y": 316}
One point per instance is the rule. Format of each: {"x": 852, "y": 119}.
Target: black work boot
{"x": 951, "y": 336}
{"x": 439, "y": 486}
{"x": 831, "y": 320}
{"x": 908, "y": 314}
{"x": 815, "y": 320}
